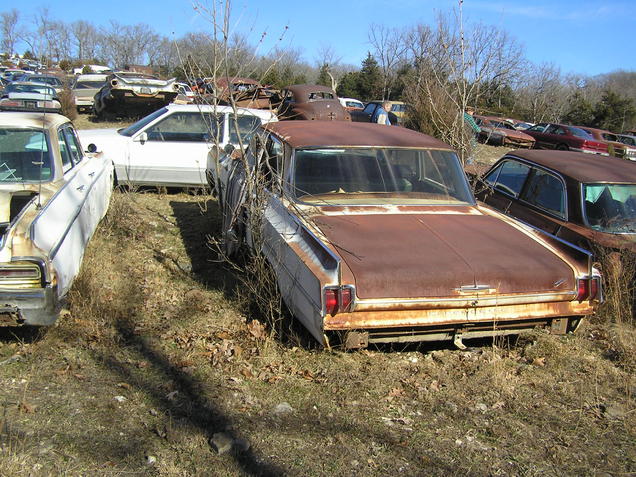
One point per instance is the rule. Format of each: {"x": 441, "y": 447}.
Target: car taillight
{"x": 8, "y": 102}
{"x": 47, "y": 104}
{"x": 338, "y": 299}
{"x": 331, "y": 301}
{"x": 588, "y": 289}
{"x": 583, "y": 289}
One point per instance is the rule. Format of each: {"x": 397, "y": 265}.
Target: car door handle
{"x": 81, "y": 188}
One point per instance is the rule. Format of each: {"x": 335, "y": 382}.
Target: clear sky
{"x": 580, "y": 36}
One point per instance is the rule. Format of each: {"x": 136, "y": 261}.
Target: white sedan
{"x": 52, "y": 196}
{"x": 170, "y": 147}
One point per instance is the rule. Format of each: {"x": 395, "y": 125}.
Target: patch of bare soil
{"x": 155, "y": 370}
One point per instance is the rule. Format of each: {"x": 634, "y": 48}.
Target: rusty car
{"x": 501, "y": 133}
{"x": 52, "y": 196}
{"x": 374, "y": 236}
{"x": 579, "y": 198}
{"x": 243, "y": 92}
{"x": 615, "y": 146}
{"x": 310, "y": 101}
{"x": 128, "y": 93}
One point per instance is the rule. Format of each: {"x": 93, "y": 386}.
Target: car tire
{"x": 562, "y": 147}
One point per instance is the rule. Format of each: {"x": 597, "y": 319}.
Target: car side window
{"x": 246, "y": 125}
{"x": 74, "y": 148}
{"x": 538, "y": 127}
{"x": 67, "y": 162}
{"x": 546, "y": 191}
{"x": 554, "y": 129}
{"x": 185, "y": 127}
{"x": 512, "y": 176}
{"x": 272, "y": 163}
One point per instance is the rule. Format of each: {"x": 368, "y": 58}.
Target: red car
{"x": 565, "y": 138}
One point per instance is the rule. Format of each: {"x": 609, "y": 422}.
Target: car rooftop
{"x": 31, "y": 119}
{"x": 581, "y": 166}
{"x": 345, "y": 133}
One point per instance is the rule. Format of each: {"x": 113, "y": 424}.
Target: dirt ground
{"x": 157, "y": 367}
{"x": 156, "y": 362}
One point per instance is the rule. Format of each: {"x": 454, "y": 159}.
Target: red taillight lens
{"x": 584, "y": 289}
{"x": 338, "y": 299}
{"x": 331, "y": 301}
{"x": 594, "y": 288}
{"x": 346, "y": 297}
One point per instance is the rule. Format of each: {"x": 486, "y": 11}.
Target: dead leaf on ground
{"x": 538, "y": 361}
{"x": 26, "y": 408}
{"x": 257, "y": 330}
{"x": 247, "y": 372}
{"x": 124, "y": 385}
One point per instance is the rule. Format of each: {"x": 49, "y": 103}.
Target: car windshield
{"x": 44, "y": 79}
{"x": 142, "y": 123}
{"x": 379, "y": 176}
{"x": 30, "y": 88}
{"x": 611, "y": 208}
{"x": 89, "y": 84}
{"x": 24, "y": 155}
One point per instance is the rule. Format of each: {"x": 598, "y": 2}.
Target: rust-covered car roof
{"x": 301, "y": 92}
{"x": 340, "y": 133}
{"x": 580, "y": 166}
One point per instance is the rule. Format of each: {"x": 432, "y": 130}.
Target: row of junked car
{"x": 564, "y": 137}
{"x": 373, "y": 232}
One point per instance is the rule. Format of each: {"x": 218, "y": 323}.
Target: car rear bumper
{"x": 38, "y": 307}
{"x": 587, "y": 151}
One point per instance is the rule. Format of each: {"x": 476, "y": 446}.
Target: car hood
{"x": 442, "y": 255}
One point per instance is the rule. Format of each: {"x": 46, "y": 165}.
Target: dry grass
{"x": 153, "y": 319}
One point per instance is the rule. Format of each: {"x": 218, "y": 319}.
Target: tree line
{"x": 440, "y": 69}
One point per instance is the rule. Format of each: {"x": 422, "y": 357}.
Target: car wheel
{"x": 562, "y": 147}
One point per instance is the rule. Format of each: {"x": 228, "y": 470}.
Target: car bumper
{"x": 38, "y": 307}
{"x": 587, "y": 151}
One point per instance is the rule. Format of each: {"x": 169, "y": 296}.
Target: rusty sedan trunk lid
{"x": 442, "y": 255}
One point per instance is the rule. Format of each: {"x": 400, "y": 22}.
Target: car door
{"x": 174, "y": 150}
{"x": 542, "y": 202}
{"x": 503, "y": 184}
{"x": 59, "y": 229}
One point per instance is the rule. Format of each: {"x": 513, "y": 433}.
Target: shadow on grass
{"x": 192, "y": 405}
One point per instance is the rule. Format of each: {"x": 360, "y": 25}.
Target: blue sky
{"x": 580, "y": 36}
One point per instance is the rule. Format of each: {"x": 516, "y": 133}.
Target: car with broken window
{"x": 500, "y": 133}
{"x": 374, "y": 236}
{"x": 127, "y": 93}
{"x": 52, "y": 197}
{"x": 170, "y": 147}
{"x": 576, "y": 197}
{"x": 310, "y": 101}
{"x": 243, "y": 92}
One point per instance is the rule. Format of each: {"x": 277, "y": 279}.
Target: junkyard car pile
{"x": 52, "y": 197}
{"x": 373, "y": 231}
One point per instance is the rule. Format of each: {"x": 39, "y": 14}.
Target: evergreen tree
{"x": 614, "y": 112}
{"x": 370, "y": 79}
{"x": 348, "y": 86}
{"x": 580, "y": 111}
{"x": 323, "y": 76}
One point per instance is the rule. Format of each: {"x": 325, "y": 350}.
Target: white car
{"x": 351, "y": 103}
{"x": 84, "y": 89}
{"x": 170, "y": 147}
{"x": 52, "y": 196}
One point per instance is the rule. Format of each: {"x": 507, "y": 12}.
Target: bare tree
{"x": 451, "y": 63}
{"x": 85, "y": 39}
{"x": 389, "y": 50}
{"x": 129, "y": 44}
{"x": 543, "y": 95}
{"x": 9, "y": 30}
